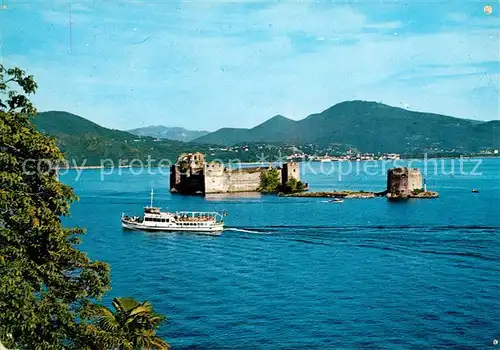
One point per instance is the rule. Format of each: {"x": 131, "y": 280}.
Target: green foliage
{"x": 45, "y": 282}
{"x": 132, "y": 325}
{"x": 293, "y": 186}
{"x": 47, "y": 286}
{"x": 418, "y": 191}
{"x": 270, "y": 180}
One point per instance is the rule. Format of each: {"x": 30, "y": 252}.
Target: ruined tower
{"x": 186, "y": 176}
{"x": 290, "y": 170}
{"x": 401, "y": 182}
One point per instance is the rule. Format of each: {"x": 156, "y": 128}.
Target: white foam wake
{"x": 245, "y": 231}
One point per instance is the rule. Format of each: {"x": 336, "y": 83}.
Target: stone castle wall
{"x": 219, "y": 179}
{"x": 403, "y": 181}
{"x": 193, "y": 175}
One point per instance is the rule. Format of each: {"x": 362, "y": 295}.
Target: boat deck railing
{"x": 189, "y": 215}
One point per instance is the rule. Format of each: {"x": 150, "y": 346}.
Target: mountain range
{"x": 171, "y": 133}
{"x": 364, "y": 126}
{"x": 369, "y": 127}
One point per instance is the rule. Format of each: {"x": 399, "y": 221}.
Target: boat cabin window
{"x": 155, "y": 219}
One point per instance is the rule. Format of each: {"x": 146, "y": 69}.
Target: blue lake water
{"x": 304, "y": 273}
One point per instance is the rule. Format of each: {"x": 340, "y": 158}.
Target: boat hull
{"x": 213, "y": 230}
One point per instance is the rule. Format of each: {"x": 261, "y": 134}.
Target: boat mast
{"x": 151, "y": 200}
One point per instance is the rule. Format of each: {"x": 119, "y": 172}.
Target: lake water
{"x": 304, "y": 273}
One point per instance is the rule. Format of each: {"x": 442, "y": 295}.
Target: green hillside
{"x": 370, "y": 127}
{"x": 64, "y": 123}
{"x": 86, "y": 143}
{"x": 278, "y": 127}
{"x": 232, "y": 135}
{"x": 82, "y": 139}
{"x": 275, "y": 130}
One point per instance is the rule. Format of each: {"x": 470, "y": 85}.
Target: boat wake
{"x": 246, "y": 231}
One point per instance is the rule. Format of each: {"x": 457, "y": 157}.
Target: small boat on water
{"x": 475, "y": 190}
{"x": 211, "y": 223}
{"x": 336, "y": 200}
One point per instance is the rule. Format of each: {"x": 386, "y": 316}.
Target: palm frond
{"x": 132, "y": 326}
{"x": 141, "y": 309}
{"x": 125, "y": 304}
{"x": 106, "y": 319}
{"x": 159, "y": 344}
{"x": 147, "y": 339}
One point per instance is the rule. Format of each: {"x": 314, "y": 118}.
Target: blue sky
{"x": 206, "y": 65}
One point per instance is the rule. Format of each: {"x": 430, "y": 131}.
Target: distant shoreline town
{"x": 383, "y": 156}
{"x": 360, "y": 157}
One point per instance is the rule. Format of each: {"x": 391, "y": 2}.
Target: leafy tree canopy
{"x": 270, "y": 180}
{"x": 293, "y": 186}
{"x": 48, "y": 287}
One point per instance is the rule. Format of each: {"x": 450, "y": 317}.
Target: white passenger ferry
{"x": 154, "y": 219}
